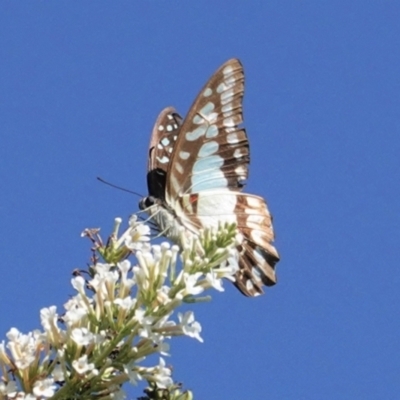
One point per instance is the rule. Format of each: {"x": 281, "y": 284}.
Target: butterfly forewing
{"x": 163, "y": 138}
{"x": 212, "y": 151}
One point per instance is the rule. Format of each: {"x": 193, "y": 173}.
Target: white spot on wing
{"x": 238, "y": 153}
{"x": 253, "y": 201}
{"x": 232, "y": 138}
{"x": 240, "y": 171}
{"x": 227, "y": 96}
{"x": 198, "y": 120}
{"x": 208, "y": 148}
{"x": 256, "y": 274}
{"x": 209, "y": 180}
{"x": 174, "y": 183}
{"x": 212, "y": 117}
{"x": 255, "y": 219}
{"x": 212, "y": 131}
{"x": 207, "y": 109}
{"x": 229, "y": 122}
{"x": 249, "y": 285}
{"x": 221, "y": 87}
{"x": 160, "y": 128}
{"x": 165, "y": 141}
{"x": 207, "y": 92}
{"x": 169, "y": 128}
{"x": 227, "y": 114}
{"x": 230, "y": 80}
{"x": 227, "y": 107}
{"x": 197, "y": 133}
{"x": 184, "y": 155}
{"x": 260, "y": 259}
{"x": 163, "y": 159}
{"x": 178, "y": 167}
{"x": 217, "y": 205}
{"x": 206, "y": 164}
{"x": 227, "y": 70}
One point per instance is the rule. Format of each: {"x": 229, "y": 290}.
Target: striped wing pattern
{"x": 197, "y": 169}
{"x": 211, "y": 141}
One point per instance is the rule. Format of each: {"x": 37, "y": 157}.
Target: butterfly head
{"x": 147, "y": 202}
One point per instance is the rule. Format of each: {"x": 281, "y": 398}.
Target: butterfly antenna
{"x": 118, "y": 187}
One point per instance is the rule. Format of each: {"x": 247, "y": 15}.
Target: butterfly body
{"x": 197, "y": 168}
{"x": 164, "y": 217}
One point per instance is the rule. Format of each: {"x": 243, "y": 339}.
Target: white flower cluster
{"x": 120, "y": 315}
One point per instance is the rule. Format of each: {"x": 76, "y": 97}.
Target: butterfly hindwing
{"x": 257, "y": 256}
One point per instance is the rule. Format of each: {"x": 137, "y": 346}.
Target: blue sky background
{"x": 81, "y": 84}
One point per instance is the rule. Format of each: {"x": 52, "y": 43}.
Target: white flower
{"x": 137, "y": 235}
{"x": 214, "y": 281}
{"x": 124, "y": 267}
{"x": 82, "y": 336}
{"x": 229, "y": 267}
{"x": 58, "y": 373}
{"x": 163, "y": 348}
{"x": 141, "y": 276}
{"x": 149, "y": 263}
{"x": 73, "y": 317}
{"x": 82, "y": 366}
{"x": 102, "y": 268}
{"x": 140, "y": 317}
{"x": 9, "y": 388}
{"x": 103, "y": 283}
{"x": 160, "y": 374}
{"x": 44, "y": 388}
{"x": 126, "y": 304}
{"x": 131, "y": 370}
{"x": 78, "y": 283}
{"x": 189, "y": 326}
{"x": 100, "y": 337}
{"x": 153, "y": 329}
{"x": 76, "y": 310}
{"x": 24, "y": 348}
{"x": 164, "y": 299}
{"x": 151, "y": 271}
{"x": 191, "y": 286}
{"x": 3, "y": 355}
{"x": 48, "y": 318}
{"x": 146, "y": 326}
{"x": 77, "y": 302}
{"x": 126, "y": 283}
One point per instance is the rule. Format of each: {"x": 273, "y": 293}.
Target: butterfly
{"x": 197, "y": 168}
